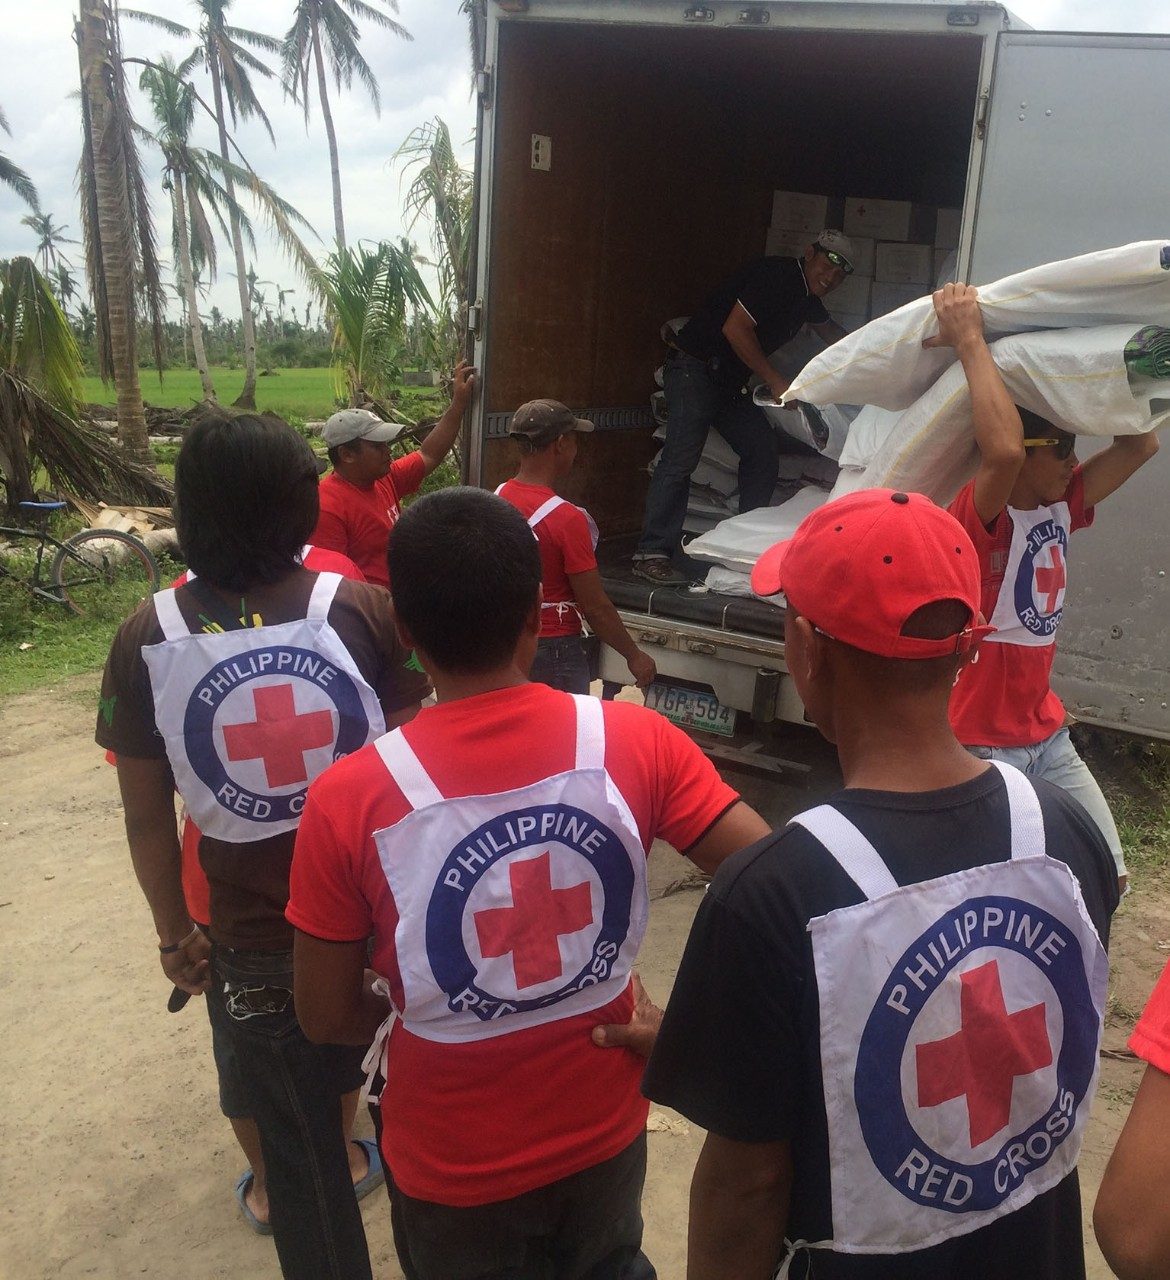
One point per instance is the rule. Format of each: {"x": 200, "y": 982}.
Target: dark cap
{"x": 543, "y": 421}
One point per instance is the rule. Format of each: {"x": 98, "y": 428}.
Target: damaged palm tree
{"x": 116, "y": 221}
{"x": 39, "y": 389}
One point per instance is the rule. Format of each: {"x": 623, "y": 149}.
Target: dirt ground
{"x": 114, "y": 1159}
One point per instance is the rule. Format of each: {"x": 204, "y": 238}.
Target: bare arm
{"x": 1130, "y": 1217}
{"x": 829, "y": 332}
{"x": 148, "y": 802}
{"x": 740, "y": 331}
{"x": 603, "y": 620}
{"x": 442, "y": 435}
{"x": 999, "y": 433}
{"x": 1107, "y": 471}
{"x": 332, "y": 991}
{"x": 740, "y": 826}
{"x": 739, "y": 1209}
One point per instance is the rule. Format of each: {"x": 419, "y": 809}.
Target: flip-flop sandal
{"x": 242, "y": 1185}
{"x": 375, "y": 1175}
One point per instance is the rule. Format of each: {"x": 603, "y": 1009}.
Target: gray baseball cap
{"x": 348, "y": 425}
{"x": 543, "y": 421}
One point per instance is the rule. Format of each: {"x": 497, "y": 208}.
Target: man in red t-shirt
{"x": 546, "y": 434}
{"x": 362, "y": 498}
{"x": 1028, "y": 495}
{"x": 497, "y": 853}
{"x": 1131, "y": 1217}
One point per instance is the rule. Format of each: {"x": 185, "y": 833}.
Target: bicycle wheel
{"x": 104, "y": 571}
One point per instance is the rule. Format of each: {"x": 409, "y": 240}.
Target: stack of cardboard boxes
{"x": 900, "y": 248}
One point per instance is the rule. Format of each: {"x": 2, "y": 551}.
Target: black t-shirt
{"x": 739, "y": 1049}
{"x": 773, "y": 292}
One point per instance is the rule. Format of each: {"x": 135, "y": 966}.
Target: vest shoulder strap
{"x": 845, "y": 844}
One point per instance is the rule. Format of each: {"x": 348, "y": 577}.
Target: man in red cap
{"x": 888, "y": 1014}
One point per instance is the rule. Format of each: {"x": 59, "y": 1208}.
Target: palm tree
{"x": 222, "y": 54}
{"x": 441, "y": 191}
{"x": 40, "y": 372}
{"x": 189, "y": 180}
{"x": 11, "y": 175}
{"x": 116, "y": 221}
{"x": 368, "y": 292}
{"x": 49, "y": 237}
{"x": 65, "y": 285}
{"x": 325, "y": 30}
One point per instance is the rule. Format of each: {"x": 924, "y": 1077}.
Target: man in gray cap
{"x": 571, "y": 588}
{"x": 757, "y": 309}
{"x": 361, "y": 499}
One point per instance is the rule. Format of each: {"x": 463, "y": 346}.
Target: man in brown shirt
{"x": 237, "y": 689}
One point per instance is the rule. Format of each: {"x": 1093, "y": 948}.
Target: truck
{"x": 627, "y": 156}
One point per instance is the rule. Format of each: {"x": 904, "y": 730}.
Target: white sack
{"x": 885, "y": 363}
{"x": 1076, "y": 378}
{"x": 729, "y": 582}
{"x": 867, "y": 434}
{"x": 793, "y": 420}
{"x": 739, "y": 542}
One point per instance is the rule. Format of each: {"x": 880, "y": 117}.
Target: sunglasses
{"x": 1061, "y": 445}
{"x": 840, "y": 262}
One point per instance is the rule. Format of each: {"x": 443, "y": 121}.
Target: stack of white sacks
{"x": 1058, "y": 334}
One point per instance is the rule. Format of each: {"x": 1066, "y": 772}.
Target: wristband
{"x": 178, "y": 946}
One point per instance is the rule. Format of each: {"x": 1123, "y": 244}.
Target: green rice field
{"x": 307, "y": 394}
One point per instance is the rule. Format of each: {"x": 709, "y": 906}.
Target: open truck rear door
{"x": 1073, "y": 161}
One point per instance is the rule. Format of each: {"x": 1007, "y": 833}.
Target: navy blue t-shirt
{"x": 739, "y": 1049}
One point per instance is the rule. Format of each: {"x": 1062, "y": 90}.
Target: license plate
{"x": 691, "y": 709}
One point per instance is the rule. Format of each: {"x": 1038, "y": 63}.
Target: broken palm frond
{"x": 75, "y": 456}
{"x": 37, "y": 343}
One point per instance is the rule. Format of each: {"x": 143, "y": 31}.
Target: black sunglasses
{"x": 842, "y": 263}
{"x": 1062, "y": 446}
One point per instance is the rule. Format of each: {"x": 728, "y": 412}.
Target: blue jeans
{"x": 1056, "y": 760}
{"x": 694, "y": 404}
{"x": 292, "y": 1094}
{"x": 560, "y": 662}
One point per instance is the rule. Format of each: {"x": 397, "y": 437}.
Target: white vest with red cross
{"x": 515, "y": 909}
{"x": 960, "y": 1025}
{"x": 1031, "y": 596}
{"x": 250, "y": 717}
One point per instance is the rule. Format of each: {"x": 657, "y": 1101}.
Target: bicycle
{"x": 85, "y": 568}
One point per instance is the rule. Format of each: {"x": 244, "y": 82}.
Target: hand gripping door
{"x": 250, "y": 717}
{"x": 1031, "y": 596}
{"x": 514, "y": 909}
{"x": 960, "y": 1025}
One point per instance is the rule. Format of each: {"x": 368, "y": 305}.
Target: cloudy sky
{"x": 418, "y": 80}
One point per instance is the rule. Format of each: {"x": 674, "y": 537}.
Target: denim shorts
{"x": 343, "y": 1062}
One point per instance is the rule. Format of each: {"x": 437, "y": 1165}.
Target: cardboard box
{"x": 896, "y": 263}
{"x": 862, "y": 259}
{"x": 884, "y": 298}
{"x": 800, "y": 212}
{"x": 877, "y": 219}
{"x": 947, "y": 227}
{"x": 782, "y": 243}
{"x": 851, "y": 296}
{"x": 944, "y": 263}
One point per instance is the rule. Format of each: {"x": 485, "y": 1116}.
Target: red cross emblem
{"x": 982, "y": 1060}
{"x": 531, "y": 928}
{"x": 1050, "y": 581}
{"x": 279, "y": 736}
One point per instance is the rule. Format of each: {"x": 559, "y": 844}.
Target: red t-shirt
{"x": 1151, "y": 1036}
{"x": 1004, "y": 698}
{"x": 472, "y": 1123}
{"x": 196, "y": 890}
{"x": 357, "y": 522}
{"x": 566, "y": 546}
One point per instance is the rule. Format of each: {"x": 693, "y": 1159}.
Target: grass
{"x": 298, "y": 395}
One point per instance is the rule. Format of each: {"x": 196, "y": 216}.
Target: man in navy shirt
{"x": 757, "y": 309}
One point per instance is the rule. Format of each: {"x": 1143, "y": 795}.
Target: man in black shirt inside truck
{"x": 759, "y": 308}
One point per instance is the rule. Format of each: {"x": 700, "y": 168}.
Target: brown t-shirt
{"x": 249, "y": 882}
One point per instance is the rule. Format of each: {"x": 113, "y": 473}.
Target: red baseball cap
{"x": 859, "y": 566}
